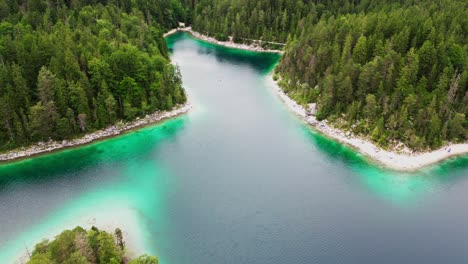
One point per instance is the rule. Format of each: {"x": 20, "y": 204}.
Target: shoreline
{"x": 404, "y": 162}
{"x": 132, "y": 236}
{"x": 51, "y": 146}
{"x": 109, "y": 228}
{"x": 229, "y": 44}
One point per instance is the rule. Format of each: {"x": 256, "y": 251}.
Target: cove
{"x": 238, "y": 179}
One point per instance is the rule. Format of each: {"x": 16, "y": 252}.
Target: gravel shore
{"x": 255, "y": 46}
{"x": 403, "y": 160}
{"x": 44, "y": 147}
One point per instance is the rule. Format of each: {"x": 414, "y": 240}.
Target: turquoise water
{"x": 237, "y": 180}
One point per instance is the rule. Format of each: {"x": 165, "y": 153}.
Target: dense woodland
{"x": 395, "y": 71}
{"x": 79, "y": 246}
{"x": 270, "y": 20}
{"x": 70, "y": 67}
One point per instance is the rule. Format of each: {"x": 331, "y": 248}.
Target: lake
{"x": 239, "y": 179}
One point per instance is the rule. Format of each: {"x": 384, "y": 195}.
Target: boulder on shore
{"x": 312, "y": 108}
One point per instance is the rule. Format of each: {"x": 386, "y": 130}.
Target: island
{"x": 80, "y": 246}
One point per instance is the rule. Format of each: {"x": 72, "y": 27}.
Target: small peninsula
{"x": 86, "y": 246}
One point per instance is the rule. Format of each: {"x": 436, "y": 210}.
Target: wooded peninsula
{"x": 80, "y": 246}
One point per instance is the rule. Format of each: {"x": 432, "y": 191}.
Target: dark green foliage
{"x": 79, "y": 246}
{"x": 145, "y": 259}
{"x": 393, "y": 72}
{"x": 270, "y": 20}
{"x": 221, "y": 37}
{"x": 72, "y": 67}
{"x": 248, "y": 19}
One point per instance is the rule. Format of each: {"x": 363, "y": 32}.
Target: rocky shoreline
{"x": 403, "y": 160}
{"x": 115, "y": 130}
{"x": 255, "y": 46}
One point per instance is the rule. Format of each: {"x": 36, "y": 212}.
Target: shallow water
{"x": 238, "y": 180}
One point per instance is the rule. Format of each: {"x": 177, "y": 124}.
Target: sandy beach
{"x": 255, "y": 46}
{"x": 45, "y": 147}
{"x": 404, "y": 160}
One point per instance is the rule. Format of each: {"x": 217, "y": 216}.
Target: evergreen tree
{"x": 69, "y": 68}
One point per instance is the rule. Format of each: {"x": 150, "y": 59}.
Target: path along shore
{"x": 404, "y": 160}
{"x": 45, "y": 147}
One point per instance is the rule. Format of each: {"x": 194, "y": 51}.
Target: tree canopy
{"x": 396, "y": 72}
{"x": 79, "y": 246}
{"x": 71, "y": 67}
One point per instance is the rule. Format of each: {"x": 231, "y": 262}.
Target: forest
{"x": 71, "y": 67}
{"x": 272, "y": 20}
{"x": 80, "y": 246}
{"x": 393, "y": 71}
